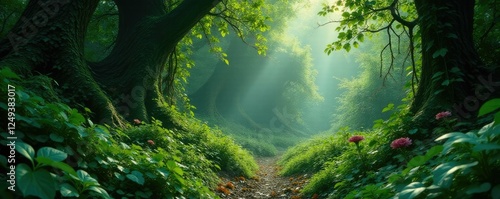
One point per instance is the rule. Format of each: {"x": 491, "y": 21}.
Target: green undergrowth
{"x": 61, "y": 153}
{"x": 264, "y": 143}
{"x": 442, "y": 162}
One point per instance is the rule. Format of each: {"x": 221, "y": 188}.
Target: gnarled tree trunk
{"x": 453, "y": 77}
{"x": 49, "y": 39}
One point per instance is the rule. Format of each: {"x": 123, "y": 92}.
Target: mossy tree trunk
{"x": 124, "y": 85}
{"x": 452, "y": 77}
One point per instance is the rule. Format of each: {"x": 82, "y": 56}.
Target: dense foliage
{"x": 60, "y": 152}
{"x": 456, "y": 164}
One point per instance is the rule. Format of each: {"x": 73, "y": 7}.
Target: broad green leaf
{"x": 86, "y": 178}
{"x": 172, "y": 166}
{"x": 451, "y": 135}
{"x": 489, "y": 106}
{"x": 417, "y": 161}
{"x": 440, "y": 53}
{"x": 75, "y": 117}
{"x": 51, "y": 153}
{"x": 412, "y": 190}
{"x": 435, "y": 150}
{"x": 26, "y": 150}
{"x": 443, "y": 173}
{"x": 39, "y": 183}
{"x": 165, "y": 173}
{"x": 56, "y": 138}
{"x": 455, "y": 70}
{"x": 486, "y": 129}
{"x": 68, "y": 190}
{"x": 56, "y": 164}
{"x": 103, "y": 193}
{"x": 137, "y": 177}
{"x": 347, "y": 47}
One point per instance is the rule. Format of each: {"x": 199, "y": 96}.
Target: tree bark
{"x": 148, "y": 34}
{"x": 452, "y": 76}
{"x": 48, "y": 39}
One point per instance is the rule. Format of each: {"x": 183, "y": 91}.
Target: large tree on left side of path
{"x": 49, "y": 39}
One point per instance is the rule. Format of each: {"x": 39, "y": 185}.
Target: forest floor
{"x": 266, "y": 184}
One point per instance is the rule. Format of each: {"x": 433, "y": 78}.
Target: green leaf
{"x": 137, "y": 177}
{"x": 440, "y": 53}
{"x": 435, "y": 150}
{"x": 75, "y": 117}
{"x": 451, "y": 135}
{"x": 56, "y": 138}
{"x": 486, "y": 147}
{"x": 39, "y": 183}
{"x": 417, "y": 161}
{"x": 103, "y": 193}
{"x": 26, "y": 150}
{"x": 347, "y": 47}
{"x": 388, "y": 108}
{"x": 165, "y": 173}
{"x": 172, "y": 166}
{"x": 361, "y": 37}
{"x": 489, "y": 106}
{"x": 7, "y": 73}
{"x": 51, "y": 153}
{"x": 413, "y": 131}
{"x": 437, "y": 74}
{"x": 68, "y": 190}
{"x": 478, "y": 188}
{"x": 412, "y": 190}
{"x": 59, "y": 165}
{"x": 443, "y": 173}
{"x": 86, "y": 178}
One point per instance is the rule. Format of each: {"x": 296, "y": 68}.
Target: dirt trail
{"x": 266, "y": 184}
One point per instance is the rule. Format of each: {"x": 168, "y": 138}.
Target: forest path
{"x": 266, "y": 184}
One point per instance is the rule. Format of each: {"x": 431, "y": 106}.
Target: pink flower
{"x": 443, "y": 114}
{"x": 151, "y": 142}
{"x": 137, "y": 121}
{"x": 400, "y": 143}
{"x": 356, "y": 138}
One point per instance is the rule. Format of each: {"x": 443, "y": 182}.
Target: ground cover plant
{"x": 422, "y": 164}
{"x": 61, "y": 153}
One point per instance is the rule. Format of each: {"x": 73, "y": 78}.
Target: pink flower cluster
{"x": 443, "y": 114}
{"x": 356, "y": 138}
{"x": 400, "y": 143}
